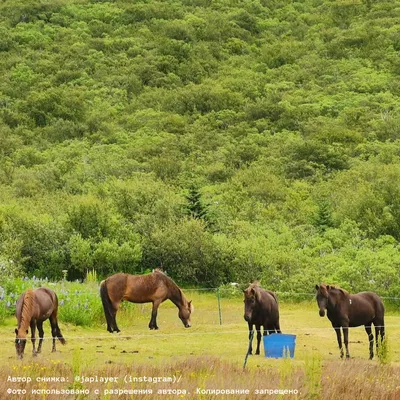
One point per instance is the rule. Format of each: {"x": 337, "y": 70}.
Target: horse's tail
{"x": 107, "y": 305}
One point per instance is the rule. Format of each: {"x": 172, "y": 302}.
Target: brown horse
{"x": 346, "y": 310}
{"x": 151, "y": 288}
{"x": 33, "y": 307}
{"x": 261, "y": 309}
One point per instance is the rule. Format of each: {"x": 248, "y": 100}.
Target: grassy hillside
{"x": 225, "y": 140}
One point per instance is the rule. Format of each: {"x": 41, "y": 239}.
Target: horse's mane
{"x": 27, "y": 308}
{"x": 255, "y": 284}
{"x": 345, "y": 292}
{"x": 175, "y": 291}
{"x": 160, "y": 271}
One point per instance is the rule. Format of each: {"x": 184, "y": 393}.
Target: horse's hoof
{"x": 34, "y": 354}
{"x": 257, "y": 353}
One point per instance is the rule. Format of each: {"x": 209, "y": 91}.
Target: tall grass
{"x": 345, "y": 380}
{"x": 313, "y": 371}
{"x": 384, "y": 354}
{"x": 91, "y": 276}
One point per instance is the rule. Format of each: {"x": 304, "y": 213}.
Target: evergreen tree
{"x": 324, "y": 216}
{"x": 195, "y": 208}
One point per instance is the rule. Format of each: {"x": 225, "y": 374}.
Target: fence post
{"x": 248, "y": 349}
{"x": 219, "y": 307}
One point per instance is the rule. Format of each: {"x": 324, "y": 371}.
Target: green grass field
{"x": 210, "y": 355}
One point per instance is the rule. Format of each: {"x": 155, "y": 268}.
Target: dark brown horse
{"x": 346, "y": 310}
{"x": 34, "y": 307}
{"x": 261, "y": 309}
{"x": 151, "y": 288}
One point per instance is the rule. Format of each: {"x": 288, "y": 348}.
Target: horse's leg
{"x": 278, "y": 327}
{"x": 346, "y": 339}
{"x": 339, "y": 340}
{"x": 41, "y": 334}
{"x": 250, "y": 343}
{"x": 153, "y": 320}
{"x": 55, "y": 331}
{"x": 371, "y": 341}
{"x": 114, "y": 316}
{"x": 270, "y": 328}
{"x": 33, "y": 339}
{"x": 258, "y": 328}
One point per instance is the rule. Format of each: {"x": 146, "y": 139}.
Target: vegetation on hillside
{"x": 223, "y": 140}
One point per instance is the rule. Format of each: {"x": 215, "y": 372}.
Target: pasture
{"x": 207, "y": 356}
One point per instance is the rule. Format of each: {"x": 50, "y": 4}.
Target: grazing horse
{"x": 346, "y": 310}
{"x": 261, "y": 309}
{"x": 33, "y": 307}
{"x": 151, "y": 288}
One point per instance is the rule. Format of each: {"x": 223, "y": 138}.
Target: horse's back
{"x": 374, "y": 300}
{"x": 46, "y": 302}
{"x": 365, "y": 307}
{"x": 267, "y": 309}
{"x": 147, "y": 288}
{"x": 268, "y": 299}
{"x": 136, "y": 288}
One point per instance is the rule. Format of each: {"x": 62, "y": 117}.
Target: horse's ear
{"x": 256, "y": 293}
{"x": 252, "y": 291}
{"x": 316, "y": 287}
{"x": 191, "y": 307}
{"x": 328, "y": 287}
{"x": 16, "y": 331}
{"x": 27, "y": 331}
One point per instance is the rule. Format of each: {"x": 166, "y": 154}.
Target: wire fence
{"x": 186, "y": 333}
{"x": 278, "y": 293}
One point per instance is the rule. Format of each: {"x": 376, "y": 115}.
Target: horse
{"x": 346, "y": 310}
{"x": 261, "y": 309}
{"x": 32, "y": 309}
{"x": 150, "y": 288}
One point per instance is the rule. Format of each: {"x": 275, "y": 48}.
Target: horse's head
{"x": 184, "y": 313}
{"x": 250, "y": 298}
{"x": 20, "y": 342}
{"x": 322, "y": 297}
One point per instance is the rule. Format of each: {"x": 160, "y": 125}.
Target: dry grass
{"x": 354, "y": 379}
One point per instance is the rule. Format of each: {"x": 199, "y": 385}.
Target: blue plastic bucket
{"x": 279, "y": 345}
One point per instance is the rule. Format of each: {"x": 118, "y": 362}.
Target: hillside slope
{"x": 224, "y": 140}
